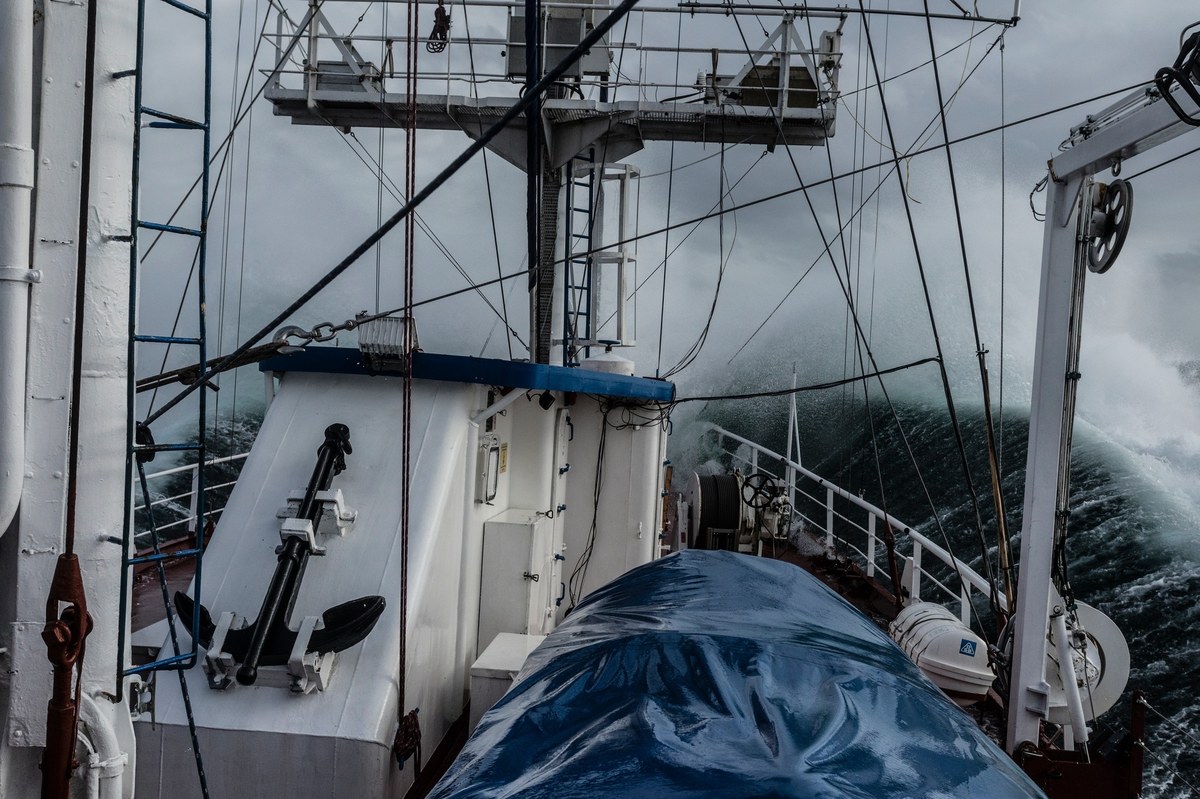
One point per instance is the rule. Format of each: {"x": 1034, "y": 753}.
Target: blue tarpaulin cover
{"x": 718, "y": 674}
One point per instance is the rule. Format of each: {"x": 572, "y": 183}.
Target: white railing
{"x": 192, "y": 496}
{"x": 793, "y": 474}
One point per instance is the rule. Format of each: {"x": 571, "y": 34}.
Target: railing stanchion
{"x": 790, "y": 474}
{"x": 871, "y": 545}
{"x": 829, "y": 517}
{"x": 194, "y": 505}
{"x": 796, "y": 471}
{"x": 915, "y": 589}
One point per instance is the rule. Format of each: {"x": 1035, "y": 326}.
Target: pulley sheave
{"x": 1110, "y": 225}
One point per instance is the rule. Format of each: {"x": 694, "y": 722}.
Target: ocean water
{"x": 1134, "y": 534}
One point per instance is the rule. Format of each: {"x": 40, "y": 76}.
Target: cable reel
{"x": 771, "y": 513}
{"x": 1111, "y": 214}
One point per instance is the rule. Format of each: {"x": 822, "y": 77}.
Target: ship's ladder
{"x": 599, "y": 270}
{"x": 184, "y": 231}
{"x": 582, "y": 216}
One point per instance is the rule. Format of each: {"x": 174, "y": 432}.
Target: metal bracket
{"x": 335, "y": 515}
{"x": 309, "y": 671}
{"x": 219, "y": 665}
{"x": 305, "y": 671}
{"x": 300, "y": 528}
{"x": 1037, "y": 699}
{"x": 20, "y": 274}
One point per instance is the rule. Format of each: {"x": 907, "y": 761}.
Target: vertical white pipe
{"x": 16, "y": 193}
{"x": 1066, "y": 673}
{"x": 106, "y": 779}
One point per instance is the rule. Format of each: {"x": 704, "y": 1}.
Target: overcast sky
{"x": 302, "y": 199}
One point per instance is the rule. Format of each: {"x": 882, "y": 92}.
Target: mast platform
{"x": 623, "y": 125}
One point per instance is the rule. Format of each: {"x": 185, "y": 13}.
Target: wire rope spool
{"x": 1099, "y": 659}
{"x": 716, "y": 511}
{"x": 1110, "y": 225}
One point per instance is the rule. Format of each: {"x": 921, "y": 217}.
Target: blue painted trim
{"x": 175, "y": 663}
{"x": 486, "y": 371}
{"x": 161, "y": 556}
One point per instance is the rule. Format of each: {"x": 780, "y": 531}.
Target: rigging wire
{"x": 713, "y": 212}
{"x": 693, "y": 352}
{"x": 867, "y": 88}
{"x": 833, "y": 178}
{"x": 889, "y": 538}
{"x": 1168, "y": 162}
{"x": 950, "y": 406}
{"x": 867, "y": 168}
{"x": 487, "y": 179}
{"x": 226, "y": 221}
{"x": 408, "y": 729}
{"x": 363, "y": 16}
{"x": 887, "y": 30}
{"x": 241, "y": 276}
{"x": 777, "y": 195}
{"x": 979, "y": 350}
{"x": 247, "y": 107}
{"x": 662, "y": 306}
{"x": 784, "y": 392}
{"x": 675, "y": 169}
{"x": 415, "y": 201}
{"x": 851, "y": 174}
{"x": 851, "y": 309}
{"x": 856, "y": 187}
{"x": 695, "y": 227}
{"x": 225, "y": 155}
{"x": 503, "y": 291}
{"x": 227, "y": 211}
{"x": 575, "y": 582}
{"x": 364, "y": 155}
{"x": 1003, "y": 242}
{"x": 845, "y": 289}
{"x": 593, "y": 217}
{"x": 384, "y": 47}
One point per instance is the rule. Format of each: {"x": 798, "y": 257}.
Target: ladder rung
{"x": 160, "y": 556}
{"x": 174, "y": 119}
{"x": 186, "y": 8}
{"x": 184, "y": 231}
{"x": 170, "y": 126}
{"x": 166, "y": 340}
{"x": 190, "y": 447}
{"x": 176, "y": 662}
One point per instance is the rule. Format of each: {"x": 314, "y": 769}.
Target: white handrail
{"x": 192, "y": 510}
{"x": 187, "y": 467}
{"x": 969, "y": 575}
